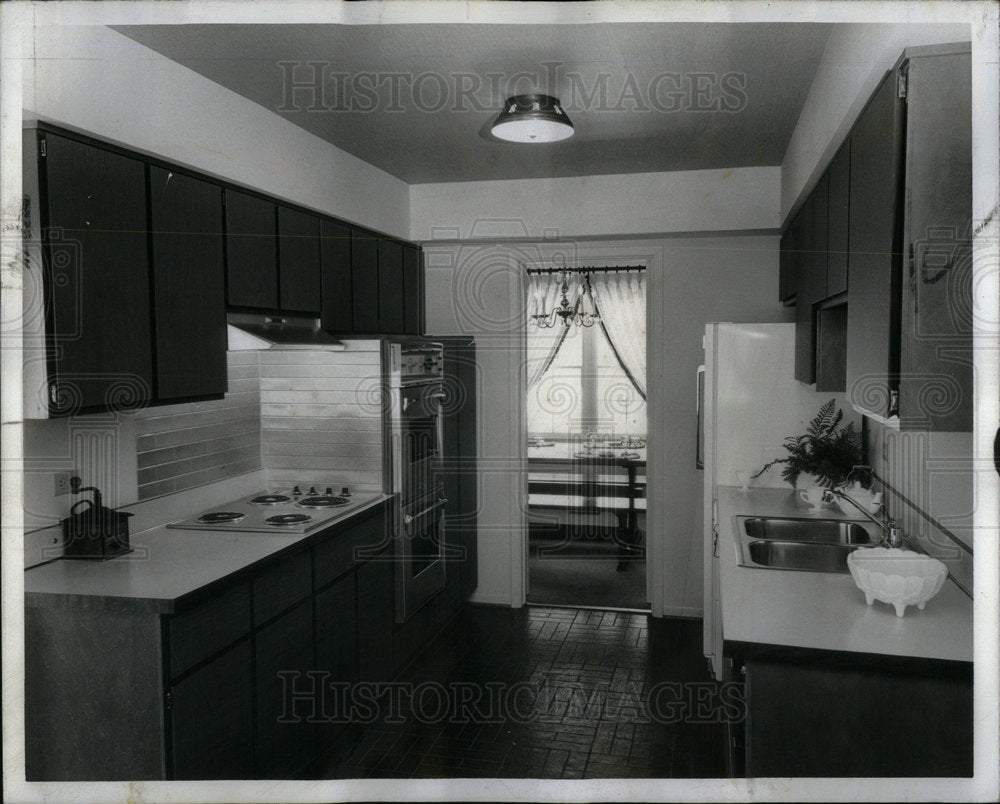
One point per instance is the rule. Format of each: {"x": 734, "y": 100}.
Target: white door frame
{"x": 611, "y": 253}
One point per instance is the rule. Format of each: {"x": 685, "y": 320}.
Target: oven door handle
{"x": 409, "y": 518}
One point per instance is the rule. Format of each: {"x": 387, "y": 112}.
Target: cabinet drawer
{"x": 340, "y": 553}
{"x": 281, "y": 586}
{"x": 207, "y": 628}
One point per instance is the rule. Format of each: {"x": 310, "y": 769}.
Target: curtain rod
{"x": 608, "y": 269}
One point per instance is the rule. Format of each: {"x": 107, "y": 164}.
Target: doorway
{"x": 586, "y": 416}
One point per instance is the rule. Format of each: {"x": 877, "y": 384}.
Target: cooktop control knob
{"x": 329, "y": 491}
{"x": 345, "y": 492}
{"x": 312, "y": 490}
{"x": 296, "y": 492}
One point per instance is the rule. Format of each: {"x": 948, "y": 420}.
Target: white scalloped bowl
{"x": 896, "y": 576}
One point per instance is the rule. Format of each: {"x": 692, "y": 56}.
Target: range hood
{"x": 254, "y": 331}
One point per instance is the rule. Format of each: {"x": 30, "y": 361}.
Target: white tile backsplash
{"x": 182, "y": 446}
{"x": 321, "y": 416}
{"x": 932, "y": 474}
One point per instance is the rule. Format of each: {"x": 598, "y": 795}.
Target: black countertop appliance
{"x": 92, "y": 530}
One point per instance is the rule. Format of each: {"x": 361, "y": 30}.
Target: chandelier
{"x": 570, "y": 312}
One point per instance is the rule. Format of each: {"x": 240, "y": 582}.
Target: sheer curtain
{"x": 621, "y": 302}
{"x": 544, "y": 293}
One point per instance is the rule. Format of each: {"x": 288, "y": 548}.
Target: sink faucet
{"x": 891, "y": 536}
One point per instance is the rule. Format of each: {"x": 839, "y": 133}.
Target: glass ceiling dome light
{"x": 532, "y": 118}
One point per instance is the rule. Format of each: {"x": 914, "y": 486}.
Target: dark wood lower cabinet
{"x": 211, "y": 719}
{"x": 376, "y": 617}
{"x": 831, "y": 716}
{"x": 336, "y": 664}
{"x": 247, "y": 681}
{"x": 284, "y": 701}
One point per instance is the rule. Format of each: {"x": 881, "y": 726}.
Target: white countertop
{"x": 164, "y": 566}
{"x": 824, "y": 610}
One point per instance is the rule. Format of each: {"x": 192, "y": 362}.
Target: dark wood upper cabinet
{"x": 839, "y": 220}
{"x": 873, "y": 325}
{"x": 188, "y": 285}
{"x": 97, "y": 267}
{"x": 364, "y": 282}
{"x": 413, "y": 290}
{"x": 335, "y": 260}
{"x": 936, "y": 383}
{"x": 810, "y": 281}
{"x": 299, "y": 261}
{"x": 786, "y": 281}
{"x": 251, "y": 252}
{"x": 804, "y": 293}
{"x": 831, "y": 347}
{"x": 390, "y": 287}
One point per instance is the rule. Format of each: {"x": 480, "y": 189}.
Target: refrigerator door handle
{"x": 699, "y": 458}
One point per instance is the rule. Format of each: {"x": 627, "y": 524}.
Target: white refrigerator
{"x": 748, "y": 402}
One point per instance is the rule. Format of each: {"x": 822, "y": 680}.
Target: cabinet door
{"x": 189, "y": 294}
{"x": 336, "y": 659}
{"x": 251, "y": 252}
{"x": 838, "y": 220}
{"x": 873, "y": 266}
{"x": 413, "y": 290}
{"x": 285, "y": 723}
{"x": 211, "y": 719}
{"x": 364, "y": 282}
{"x": 460, "y": 476}
{"x": 831, "y": 348}
{"x": 376, "y": 617}
{"x": 390, "y": 287}
{"x": 786, "y": 279}
{"x": 335, "y": 256}
{"x": 467, "y": 374}
{"x": 805, "y": 291}
{"x": 298, "y": 261}
{"x": 936, "y": 379}
{"x": 98, "y": 277}
{"x": 807, "y": 718}
{"x": 811, "y": 282}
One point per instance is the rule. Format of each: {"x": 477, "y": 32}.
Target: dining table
{"x": 571, "y": 469}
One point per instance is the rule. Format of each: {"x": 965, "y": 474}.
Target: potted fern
{"x": 828, "y": 450}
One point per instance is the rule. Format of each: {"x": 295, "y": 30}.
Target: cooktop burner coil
{"x": 219, "y": 517}
{"x": 323, "y": 501}
{"x": 270, "y": 499}
{"x": 288, "y": 519}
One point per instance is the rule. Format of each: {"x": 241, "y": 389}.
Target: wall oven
{"x": 413, "y": 441}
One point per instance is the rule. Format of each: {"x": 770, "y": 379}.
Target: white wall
{"x": 594, "y": 206}
{"x": 473, "y": 288}
{"x": 99, "y": 81}
{"x": 855, "y": 59}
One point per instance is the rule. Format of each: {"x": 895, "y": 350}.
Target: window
{"x": 595, "y": 376}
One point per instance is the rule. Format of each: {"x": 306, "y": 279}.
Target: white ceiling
{"x": 761, "y": 71}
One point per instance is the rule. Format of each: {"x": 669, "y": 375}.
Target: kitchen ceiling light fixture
{"x": 532, "y": 118}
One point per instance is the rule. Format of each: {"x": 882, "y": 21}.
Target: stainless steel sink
{"x": 811, "y": 545}
{"x": 823, "y": 531}
{"x": 809, "y": 556}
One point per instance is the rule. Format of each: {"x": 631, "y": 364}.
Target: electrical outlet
{"x": 61, "y": 483}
